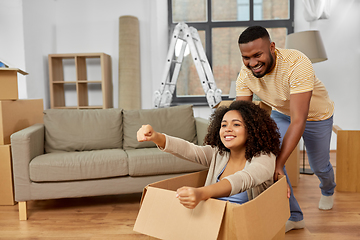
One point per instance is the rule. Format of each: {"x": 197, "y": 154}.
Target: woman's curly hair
{"x": 263, "y": 133}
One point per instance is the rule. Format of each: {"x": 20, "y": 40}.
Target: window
{"x": 219, "y": 24}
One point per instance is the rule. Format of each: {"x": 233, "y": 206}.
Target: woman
{"x": 241, "y": 148}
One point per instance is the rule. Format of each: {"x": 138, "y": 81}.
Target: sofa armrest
{"x": 201, "y": 129}
{"x": 26, "y": 144}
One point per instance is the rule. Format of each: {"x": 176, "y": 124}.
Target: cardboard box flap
{"x": 15, "y": 69}
{"x": 270, "y": 211}
{"x": 11, "y": 68}
{"x": 162, "y": 216}
{"x": 196, "y": 179}
{"x": 225, "y": 103}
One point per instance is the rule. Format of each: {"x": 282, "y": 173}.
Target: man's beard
{"x": 268, "y": 68}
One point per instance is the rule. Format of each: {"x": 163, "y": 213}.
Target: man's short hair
{"x": 252, "y": 33}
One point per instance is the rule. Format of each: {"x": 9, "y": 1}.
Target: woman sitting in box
{"x": 242, "y": 145}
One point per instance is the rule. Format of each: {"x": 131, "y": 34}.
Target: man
{"x": 285, "y": 80}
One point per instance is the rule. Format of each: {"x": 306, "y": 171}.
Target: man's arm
{"x": 299, "y": 109}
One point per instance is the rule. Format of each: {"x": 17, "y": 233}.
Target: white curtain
{"x": 316, "y": 9}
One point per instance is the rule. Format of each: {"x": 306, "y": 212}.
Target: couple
{"x": 243, "y": 148}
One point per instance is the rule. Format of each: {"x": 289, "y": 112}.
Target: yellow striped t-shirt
{"x": 293, "y": 73}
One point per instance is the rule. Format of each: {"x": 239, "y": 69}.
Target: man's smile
{"x": 257, "y": 68}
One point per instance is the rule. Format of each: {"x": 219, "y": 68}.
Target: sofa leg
{"x": 22, "y": 211}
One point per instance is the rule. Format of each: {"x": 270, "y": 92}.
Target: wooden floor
{"x": 113, "y": 217}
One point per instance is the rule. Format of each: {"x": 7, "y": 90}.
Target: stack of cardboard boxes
{"x": 15, "y": 115}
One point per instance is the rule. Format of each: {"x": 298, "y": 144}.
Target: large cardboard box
{"x": 6, "y": 179}
{"x": 17, "y": 115}
{"x": 9, "y": 83}
{"x": 162, "y": 216}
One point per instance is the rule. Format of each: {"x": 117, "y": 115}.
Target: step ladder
{"x": 189, "y": 36}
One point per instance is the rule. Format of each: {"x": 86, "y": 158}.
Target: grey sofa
{"x": 78, "y": 153}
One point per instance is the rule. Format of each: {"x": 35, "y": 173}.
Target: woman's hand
{"x": 189, "y": 196}
{"x": 147, "y": 133}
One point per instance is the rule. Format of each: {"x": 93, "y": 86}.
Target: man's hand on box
{"x": 279, "y": 171}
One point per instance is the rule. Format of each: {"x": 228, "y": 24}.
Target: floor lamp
{"x": 309, "y": 43}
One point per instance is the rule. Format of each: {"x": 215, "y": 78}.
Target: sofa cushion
{"x": 82, "y": 130}
{"x": 152, "y": 161}
{"x": 176, "y": 121}
{"x": 70, "y": 166}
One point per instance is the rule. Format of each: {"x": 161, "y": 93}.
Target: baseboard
{"x": 331, "y": 151}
